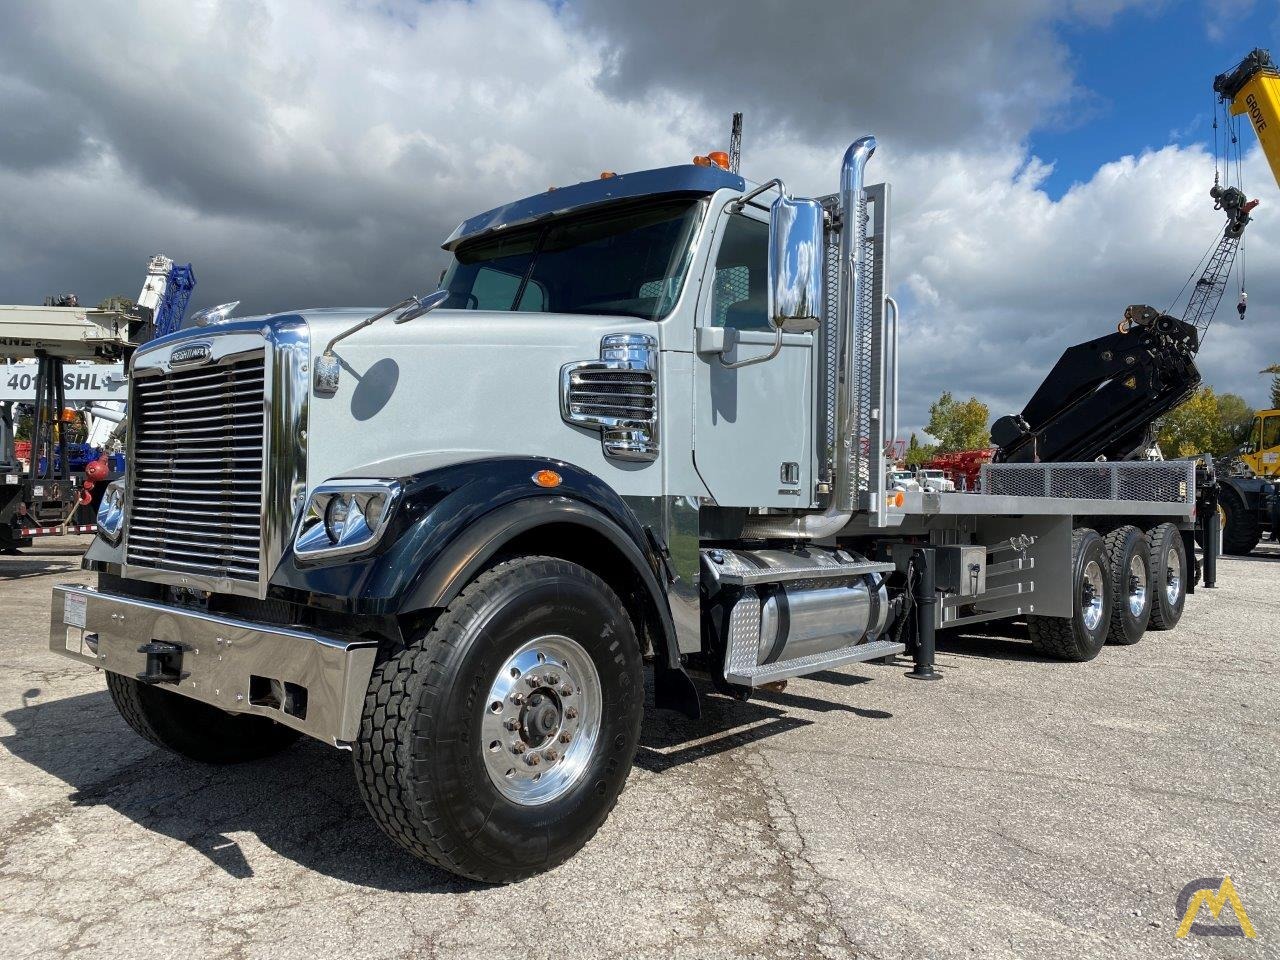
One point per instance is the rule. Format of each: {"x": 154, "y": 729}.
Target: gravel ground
{"x": 1019, "y": 808}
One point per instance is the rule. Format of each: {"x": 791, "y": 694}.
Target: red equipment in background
{"x": 963, "y": 467}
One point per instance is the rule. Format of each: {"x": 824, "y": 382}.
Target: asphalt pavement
{"x": 1018, "y": 808}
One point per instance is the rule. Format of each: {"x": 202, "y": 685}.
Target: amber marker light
{"x": 547, "y": 478}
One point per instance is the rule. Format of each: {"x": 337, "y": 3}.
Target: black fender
{"x": 1254, "y": 493}
{"x": 451, "y": 521}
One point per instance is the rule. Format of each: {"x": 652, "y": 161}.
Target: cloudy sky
{"x": 1050, "y": 158}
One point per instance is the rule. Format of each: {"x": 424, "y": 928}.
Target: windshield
{"x": 626, "y": 261}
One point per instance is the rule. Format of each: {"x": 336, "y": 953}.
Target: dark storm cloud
{"x": 931, "y": 75}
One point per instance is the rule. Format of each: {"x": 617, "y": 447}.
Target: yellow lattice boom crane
{"x": 1251, "y": 503}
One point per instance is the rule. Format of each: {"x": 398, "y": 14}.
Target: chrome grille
{"x": 624, "y": 394}
{"x": 617, "y": 395}
{"x": 195, "y": 487}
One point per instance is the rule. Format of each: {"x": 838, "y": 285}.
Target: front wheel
{"x": 1241, "y": 530}
{"x": 495, "y": 745}
{"x": 1080, "y": 636}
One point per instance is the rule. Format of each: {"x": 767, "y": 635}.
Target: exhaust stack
{"x": 854, "y": 296}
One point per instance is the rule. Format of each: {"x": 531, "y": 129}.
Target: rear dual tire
{"x": 1168, "y": 558}
{"x": 1131, "y": 586}
{"x": 1081, "y": 636}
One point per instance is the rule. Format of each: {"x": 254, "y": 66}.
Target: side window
{"x": 493, "y": 290}
{"x": 1270, "y": 432}
{"x": 740, "y": 295}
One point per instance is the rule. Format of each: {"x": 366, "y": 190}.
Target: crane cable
{"x": 1230, "y": 139}
{"x": 1243, "y": 303}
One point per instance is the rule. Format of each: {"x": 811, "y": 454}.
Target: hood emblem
{"x": 190, "y": 353}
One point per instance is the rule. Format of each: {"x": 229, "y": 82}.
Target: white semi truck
{"x": 642, "y": 423}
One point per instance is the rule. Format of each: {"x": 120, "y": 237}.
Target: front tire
{"x": 1130, "y": 585}
{"x": 1080, "y": 636}
{"x": 1241, "y": 530}
{"x": 193, "y": 729}
{"x": 1168, "y": 576}
{"x": 496, "y": 744}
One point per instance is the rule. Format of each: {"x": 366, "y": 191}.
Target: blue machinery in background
{"x": 177, "y": 294}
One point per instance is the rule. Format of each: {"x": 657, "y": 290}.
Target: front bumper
{"x": 312, "y": 683}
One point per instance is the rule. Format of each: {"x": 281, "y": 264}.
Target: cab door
{"x": 753, "y": 431}
{"x": 1267, "y": 444}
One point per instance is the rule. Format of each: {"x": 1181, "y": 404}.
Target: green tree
{"x": 1237, "y": 417}
{"x": 1205, "y": 423}
{"x": 917, "y": 452}
{"x": 1274, "y": 370}
{"x": 959, "y": 425}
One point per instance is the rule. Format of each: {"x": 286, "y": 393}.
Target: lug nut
{"x": 552, "y": 679}
{"x": 512, "y": 724}
{"x": 571, "y": 713}
{"x": 532, "y": 759}
{"x": 517, "y": 747}
{"x": 517, "y": 698}
{"x": 532, "y": 680}
{"x": 551, "y": 756}
{"x": 566, "y": 690}
{"x": 566, "y": 737}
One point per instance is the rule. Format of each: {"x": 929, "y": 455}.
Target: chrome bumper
{"x": 311, "y": 683}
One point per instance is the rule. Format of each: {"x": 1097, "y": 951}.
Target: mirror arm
{"x": 408, "y": 301}
{"x": 746, "y": 198}
{"x": 777, "y": 348}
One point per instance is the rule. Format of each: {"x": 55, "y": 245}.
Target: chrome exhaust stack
{"x": 855, "y": 296}
{"x": 853, "y": 292}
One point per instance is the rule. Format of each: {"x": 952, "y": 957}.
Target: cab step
{"x": 755, "y": 676}
{"x": 830, "y": 571}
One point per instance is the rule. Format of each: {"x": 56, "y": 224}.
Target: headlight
{"x": 111, "y": 512}
{"x": 345, "y": 517}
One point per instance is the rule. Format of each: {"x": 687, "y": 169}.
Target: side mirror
{"x": 795, "y": 265}
{"x": 422, "y": 305}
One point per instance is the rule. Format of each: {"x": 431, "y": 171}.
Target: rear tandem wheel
{"x": 1080, "y": 636}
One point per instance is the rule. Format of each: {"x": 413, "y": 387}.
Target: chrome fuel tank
{"x": 771, "y": 606}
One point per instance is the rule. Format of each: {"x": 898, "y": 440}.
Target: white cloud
{"x": 300, "y": 159}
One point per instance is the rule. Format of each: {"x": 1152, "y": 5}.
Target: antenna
{"x": 735, "y": 143}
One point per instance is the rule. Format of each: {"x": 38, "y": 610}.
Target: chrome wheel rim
{"x": 1137, "y": 585}
{"x": 1091, "y": 594}
{"x": 541, "y": 720}
{"x": 1172, "y": 578}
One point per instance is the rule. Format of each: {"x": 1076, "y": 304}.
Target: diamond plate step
{"x": 841, "y": 571}
{"x": 784, "y": 669}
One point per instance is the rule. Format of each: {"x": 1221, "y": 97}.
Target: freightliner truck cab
{"x": 643, "y": 421}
